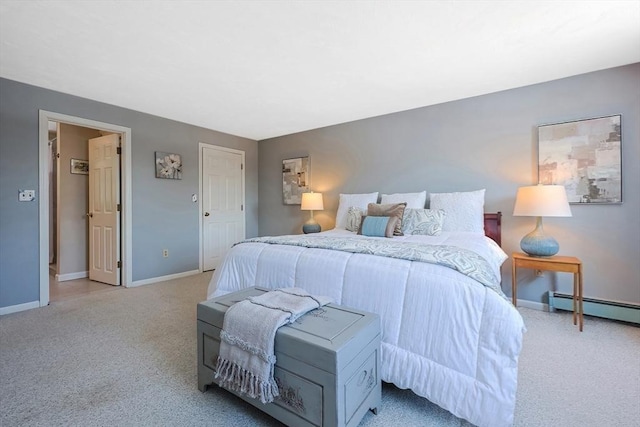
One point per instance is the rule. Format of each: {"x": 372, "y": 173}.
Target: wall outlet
{"x": 26, "y": 195}
{"x": 165, "y": 253}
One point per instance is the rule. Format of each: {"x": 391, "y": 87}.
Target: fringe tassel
{"x": 235, "y": 378}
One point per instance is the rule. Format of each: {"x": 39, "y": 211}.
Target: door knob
{"x": 90, "y": 214}
{"x": 206, "y": 214}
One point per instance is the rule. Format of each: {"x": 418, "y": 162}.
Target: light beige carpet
{"x": 127, "y": 358}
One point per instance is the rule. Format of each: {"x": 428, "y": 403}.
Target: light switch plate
{"x": 26, "y": 195}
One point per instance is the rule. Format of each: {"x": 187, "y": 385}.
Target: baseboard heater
{"x": 624, "y": 311}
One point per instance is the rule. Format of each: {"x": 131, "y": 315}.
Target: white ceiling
{"x": 261, "y": 69}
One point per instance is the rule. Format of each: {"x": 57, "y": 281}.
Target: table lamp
{"x": 541, "y": 200}
{"x": 311, "y": 202}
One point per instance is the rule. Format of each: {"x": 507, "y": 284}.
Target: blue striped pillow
{"x": 377, "y": 226}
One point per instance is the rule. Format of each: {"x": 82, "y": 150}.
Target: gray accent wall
{"x": 163, "y": 215}
{"x": 486, "y": 142}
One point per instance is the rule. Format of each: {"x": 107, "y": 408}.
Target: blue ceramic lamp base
{"x": 311, "y": 226}
{"x": 539, "y": 244}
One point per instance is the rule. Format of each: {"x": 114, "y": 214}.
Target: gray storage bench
{"x": 327, "y": 362}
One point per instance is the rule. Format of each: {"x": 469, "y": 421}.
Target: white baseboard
{"x": 19, "y": 307}
{"x": 533, "y": 305}
{"x": 162, "y": 278}
{"x": 72, "y": 276}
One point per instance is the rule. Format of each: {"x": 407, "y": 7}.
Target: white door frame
{"x": 201, "y": 145}
{"x": 125, "y": 198}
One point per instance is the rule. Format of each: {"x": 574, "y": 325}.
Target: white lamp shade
{"x": 311, "y": 202}
{"x": 541, "y": 200}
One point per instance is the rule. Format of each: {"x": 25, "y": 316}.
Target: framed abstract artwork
{"x": 585, "y": 156}
{"x": 295, "y": 180}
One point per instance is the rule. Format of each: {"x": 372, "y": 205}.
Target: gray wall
{"x": 483, "y": 142}
{"x": 162, "y": 211}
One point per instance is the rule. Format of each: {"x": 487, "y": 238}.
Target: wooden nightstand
{"x": 567, "y": 264}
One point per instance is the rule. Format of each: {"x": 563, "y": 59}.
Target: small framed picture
{"x": 168, "y": 165}
{"x": 80, "y": 166}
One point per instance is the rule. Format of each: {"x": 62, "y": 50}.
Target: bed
{"x": 448, "y": 332}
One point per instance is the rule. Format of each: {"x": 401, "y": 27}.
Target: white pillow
{"x": 413, "y": 200}
{"x": 356, "y": 200}
{"x": 464, "y": 211}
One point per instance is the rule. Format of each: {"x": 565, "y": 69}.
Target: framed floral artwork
{"x": 168, "y": 165}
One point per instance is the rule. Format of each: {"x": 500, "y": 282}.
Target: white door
{"x": 222, "y": 203}
{"x": 104, "y": 215}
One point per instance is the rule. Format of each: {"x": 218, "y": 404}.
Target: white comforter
{"x": 444, "y": 335}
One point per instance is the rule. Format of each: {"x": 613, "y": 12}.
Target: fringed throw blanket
{"x": 247, "y": 357}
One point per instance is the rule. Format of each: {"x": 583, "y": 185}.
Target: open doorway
{"x": 45, "y": 207}
{"x": 71, "y": 228}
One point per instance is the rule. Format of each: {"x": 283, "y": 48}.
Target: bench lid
{"x": 331, "y": 334}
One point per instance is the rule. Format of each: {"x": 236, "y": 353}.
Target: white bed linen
{"x": 444, "y": 335}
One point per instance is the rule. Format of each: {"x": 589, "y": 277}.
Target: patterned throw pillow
{"x": 427, "y": 222}
{"x": 393, "y": 210}
{"x": 354, "y": 217}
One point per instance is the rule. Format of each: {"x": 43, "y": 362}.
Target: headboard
{"x": 492, "y": 226}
